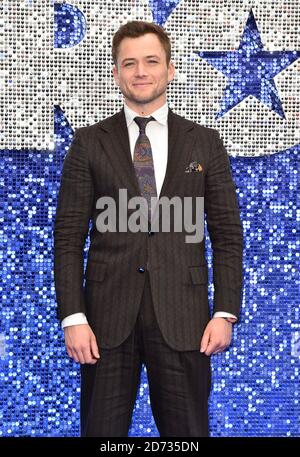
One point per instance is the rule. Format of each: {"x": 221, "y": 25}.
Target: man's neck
{"x": 144, "y": 110}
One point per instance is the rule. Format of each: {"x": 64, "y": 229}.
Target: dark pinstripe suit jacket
{"x": 99, "y": 163}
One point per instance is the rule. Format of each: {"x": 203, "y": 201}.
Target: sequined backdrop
{"x": 237, "y": 70}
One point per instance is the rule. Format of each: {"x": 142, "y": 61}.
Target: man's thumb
{"x": 204, "y": 342}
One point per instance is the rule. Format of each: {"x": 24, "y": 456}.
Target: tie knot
{"x": 142, "y": 122}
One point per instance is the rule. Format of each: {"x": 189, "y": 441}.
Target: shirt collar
{"x": 160, "y": 115}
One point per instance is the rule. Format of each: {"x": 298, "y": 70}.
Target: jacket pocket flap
{"x": 95, "y": 271}
{"x": 199, "y": 274}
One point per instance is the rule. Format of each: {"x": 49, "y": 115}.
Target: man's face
{"x": 142, "y": 74}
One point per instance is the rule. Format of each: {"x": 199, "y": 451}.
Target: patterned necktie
{"x": 143, "y": 163}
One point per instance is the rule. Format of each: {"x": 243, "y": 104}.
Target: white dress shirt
{"x": 157, "y": 132}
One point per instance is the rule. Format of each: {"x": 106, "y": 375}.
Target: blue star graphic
{"x": 162, "y": 9}
{"x": 250, "y": 70}
{"x": 69, "y": 25}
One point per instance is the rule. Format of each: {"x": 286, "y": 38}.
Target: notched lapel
{"x": 117, "y": 148}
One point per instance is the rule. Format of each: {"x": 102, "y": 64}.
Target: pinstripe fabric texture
{"x": 99, "y": 163}
{"x": 143, "y": 163}
{"x": 179, "y": 383}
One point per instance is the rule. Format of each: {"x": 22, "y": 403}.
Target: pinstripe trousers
{"x": 179, "y": 383}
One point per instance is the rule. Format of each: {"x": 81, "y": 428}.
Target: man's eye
{"x": 150, "y": 61}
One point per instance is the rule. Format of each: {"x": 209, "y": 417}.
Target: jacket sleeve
{"x": 74, "y": 209}
{"x": 225, "y": 229}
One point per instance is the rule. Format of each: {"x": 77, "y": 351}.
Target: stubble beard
{"x": 141, "y": 100}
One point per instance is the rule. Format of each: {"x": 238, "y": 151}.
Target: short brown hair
{"x": 135, "y": 29}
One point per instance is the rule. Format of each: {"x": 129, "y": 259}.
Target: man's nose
{"x": 140, "y": 69}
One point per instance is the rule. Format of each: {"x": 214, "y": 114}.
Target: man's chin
{"x": 140, "y": 98}
{"x": 145, "y": 100}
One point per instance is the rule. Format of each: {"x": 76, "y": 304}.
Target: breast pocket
{"x": 190, "y": 183}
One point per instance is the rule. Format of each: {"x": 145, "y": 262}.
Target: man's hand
{"x": 216, "y": 336}
{"x": 81, "y": 343}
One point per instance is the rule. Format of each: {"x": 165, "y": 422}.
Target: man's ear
{"x": 115, "y": 74}
{"x": 171, "y": 71}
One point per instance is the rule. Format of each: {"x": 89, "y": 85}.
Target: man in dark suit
{"x": 145, "y": 297}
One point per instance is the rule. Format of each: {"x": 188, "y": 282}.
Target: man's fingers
{"x": 210, "y": 348}
{"x": 69, "y": 351}
{"x": 93, "y": 361}
{"x": 216, "y": 348}
{"x": 213, "y": 346}
{"x": 89, "y": 354}
{"x": 94, "y": 348}
{"x": 74, "y": 355}
{"x": 80, "y": 356}
{"x": 86, "y": 354}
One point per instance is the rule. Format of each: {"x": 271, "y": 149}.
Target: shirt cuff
{"x": 224, "y": 314}
{"x": 74, "y": 319}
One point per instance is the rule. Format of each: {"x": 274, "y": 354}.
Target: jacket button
{"x": 141, "y": 269}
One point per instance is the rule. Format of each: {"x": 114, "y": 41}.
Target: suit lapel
{"x": 117, "y": 148}
{"x": 181, "y": 137}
